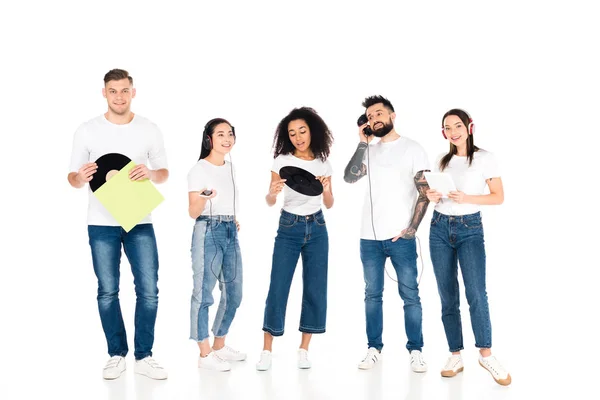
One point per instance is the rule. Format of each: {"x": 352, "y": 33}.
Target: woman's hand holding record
{"x": 301, "y": 181}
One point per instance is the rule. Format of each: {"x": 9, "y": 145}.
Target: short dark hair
{"x": 321, "y": 138}
{"x": 117, "y": 75}
{"x": 372, "y": 100}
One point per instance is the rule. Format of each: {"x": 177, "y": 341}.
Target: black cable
{"x": 373, "y": 223}
{"x": 234, "y": 238}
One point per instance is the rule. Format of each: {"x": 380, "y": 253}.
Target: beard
{"x": 384, "y": 130}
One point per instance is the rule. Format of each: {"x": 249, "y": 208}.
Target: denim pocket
{"x": 472, "y": 223}
{"x": 286, "y": 222}
{"x": 320, "y": 219}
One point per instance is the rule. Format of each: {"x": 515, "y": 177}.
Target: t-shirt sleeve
{"x": 277, "y": 164}
{"x": 420, "y": 160}
{"x": 157, "y": 154}
{"x": 80, "y": 154}
{"x": 491, "y": 169}
{"x": 328, "y": 168}
{"x": 196, "y": 179}
{"x": 436, "y": 166}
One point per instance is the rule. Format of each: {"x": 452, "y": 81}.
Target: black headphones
{"x": 206, "y": 135}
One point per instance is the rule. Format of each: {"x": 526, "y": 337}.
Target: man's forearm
{"x": 356, "y": 169}
{"x": 420, "y": 207}
{"x": 159, "y": 175}
{"x": 74, "y": 181}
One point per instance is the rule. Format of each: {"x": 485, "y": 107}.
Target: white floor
{"x": 61, "y": 355}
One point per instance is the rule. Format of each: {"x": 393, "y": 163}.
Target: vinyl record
{"x": 301, "y": 181}
{"x": 107, "y": 163}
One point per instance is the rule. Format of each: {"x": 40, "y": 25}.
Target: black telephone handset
{"x": 363, "y": 120}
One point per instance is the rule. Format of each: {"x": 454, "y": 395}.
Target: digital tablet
{"x": 441, "y": 182}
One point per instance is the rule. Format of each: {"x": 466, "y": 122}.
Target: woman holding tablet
{"x": 456, "y": 237}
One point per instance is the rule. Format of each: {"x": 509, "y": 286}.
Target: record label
{"x": 108, "y": 165}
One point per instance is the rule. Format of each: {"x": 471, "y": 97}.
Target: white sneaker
{"x": 373, "y": 355}
{"x": 214, "y": 362}
{"x": 303, "y": 361}
{"x": 151, "y": 368}
{"x": 228, "y": 354}
{"x": 453, "y": 366}
{"x": 114, "y": 367}
{"x": 265, "y": 361}
{"x": 500, "y": 375}
{"x": 416, "y": 361}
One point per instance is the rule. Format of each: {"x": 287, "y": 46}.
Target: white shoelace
{"x": 371, "y": 356}
{"x": 303, "y": 355}
{"x": 452, "y": 362}
{"x": 494, "y": 365}
{"x": 151, "y": 362}
{"x": 229, "y": 349}
{"x": 113, "y": 362}
{"x": 417, "y": 358}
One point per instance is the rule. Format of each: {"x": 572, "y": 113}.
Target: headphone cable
{"x": 373, "y": 223}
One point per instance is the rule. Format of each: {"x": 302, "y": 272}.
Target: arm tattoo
{"x": 356, "y": 169}
{"x": 420, "y": 207}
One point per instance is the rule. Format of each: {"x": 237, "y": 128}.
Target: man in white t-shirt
{"x": 121, "y": 131}
{"x": 395, "y": 204}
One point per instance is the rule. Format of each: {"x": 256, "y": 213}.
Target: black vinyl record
{"x": 107, "y": 163}
{"x": 301, "y": 181}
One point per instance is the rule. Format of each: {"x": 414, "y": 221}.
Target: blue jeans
{"x": 455, "y": 240}
{"x": 306, "y": 236}
{"x": 403, "y": 255}
{"x": 216, "y": 256}
{"x": 140, "y": 248}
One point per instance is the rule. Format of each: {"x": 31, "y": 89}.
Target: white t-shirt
{"x": 391, "y": 167}
{"x": 298, "y": 203}
{"x": 219, "y": 178}
{"x": 468, "y": 179}
{"x": 140, "y": 140}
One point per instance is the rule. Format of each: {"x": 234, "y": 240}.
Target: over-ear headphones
{"x": 470, "y": 128}
{"x": 210, "y": 125}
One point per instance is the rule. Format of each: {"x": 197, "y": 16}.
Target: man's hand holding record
{"x": 108, "y": 165}
{"x": 124, "y": 189}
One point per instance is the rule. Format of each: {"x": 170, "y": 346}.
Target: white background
{"x": 526, "y": 71}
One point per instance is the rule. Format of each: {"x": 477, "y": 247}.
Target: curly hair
{"x": 321, "y": 138}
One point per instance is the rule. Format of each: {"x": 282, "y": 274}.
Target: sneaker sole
{"x": 110, "y": 378}
{"x": 503, "y": 382}
{"x": 235, "y": 359}
{"x": 214, "y": 369}
{"x": 151, "y": 377}
{"x": 450, "y": 373}
{"x": 366, "y": 367}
